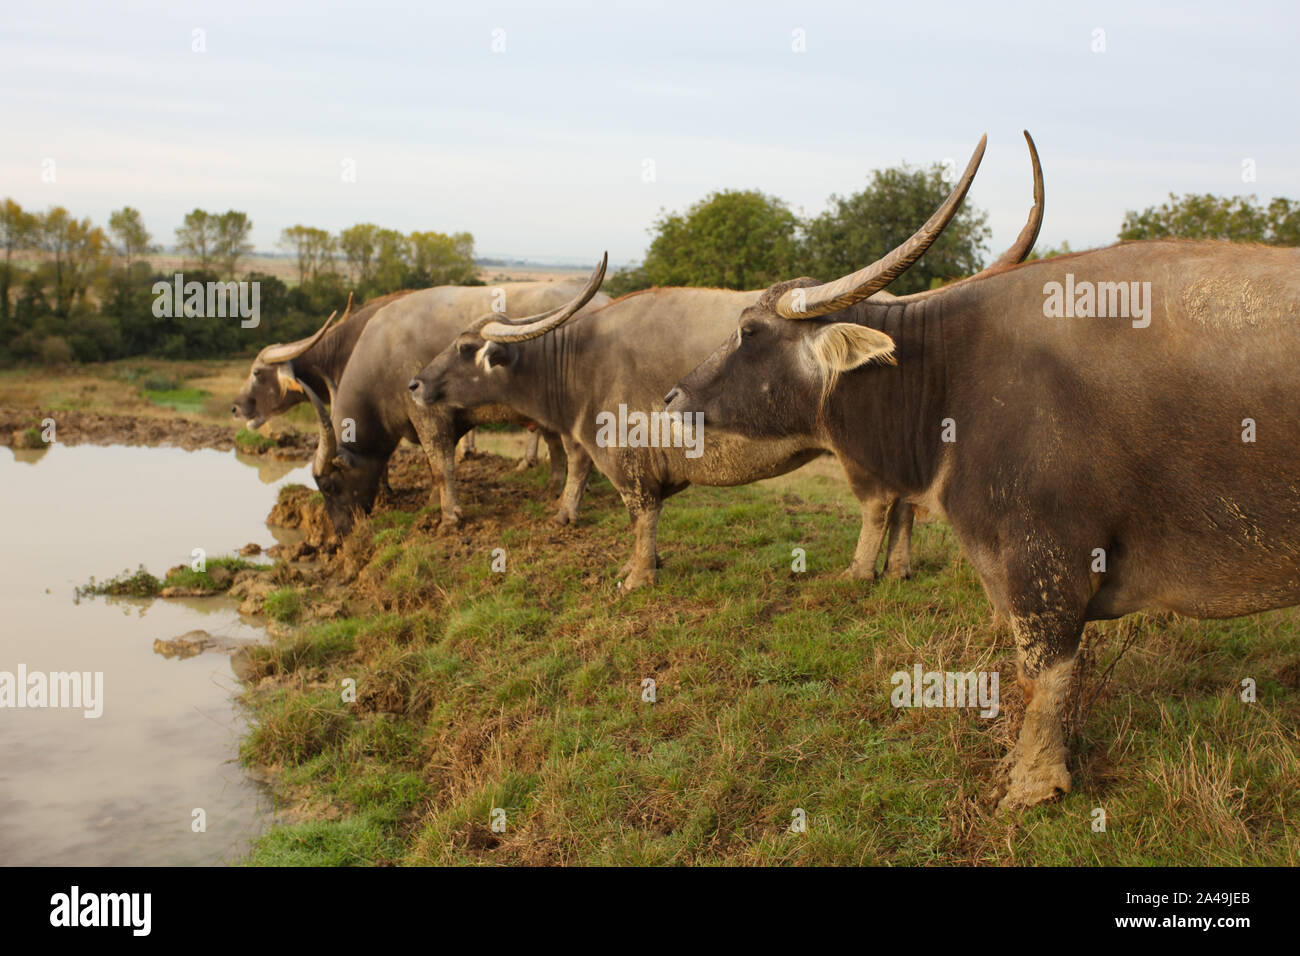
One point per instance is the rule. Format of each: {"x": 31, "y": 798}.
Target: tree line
{"x": 746, "y": 239}
{"x": 69, "y": 291}
{"x": 73, "y": 291}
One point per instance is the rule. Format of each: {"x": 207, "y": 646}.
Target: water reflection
{"x": 121, "y": 789}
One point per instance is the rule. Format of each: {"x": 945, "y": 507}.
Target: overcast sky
{"x": 541, "y": 150}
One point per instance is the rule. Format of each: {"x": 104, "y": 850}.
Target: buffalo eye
{"x": 467, "y": 350}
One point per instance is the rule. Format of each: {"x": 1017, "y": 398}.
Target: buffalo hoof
{"x": 1026, "y": 787}
{"x": 564, "y": 516}
{"x": 898, "y": 574}
{"x": 856, "y": 573}
{"x": 450, "y": 520}
{"x": 643, "y": 577}
{"x": 525, "y": 464}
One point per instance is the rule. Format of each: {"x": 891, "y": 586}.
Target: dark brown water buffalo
{"x": 1106, "y": 432}
{"x": 615, "y": 364}
{"x": 274, "y": 383}
{"x": 371, "y": 409}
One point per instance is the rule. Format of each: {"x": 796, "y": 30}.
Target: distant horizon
{"x": 557, "y": 134}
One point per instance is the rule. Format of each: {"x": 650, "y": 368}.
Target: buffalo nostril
{"x": 413, "y": 385}
{"x": 668, "y": 399}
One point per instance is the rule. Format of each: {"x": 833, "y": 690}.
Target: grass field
{"x": 521, "y": 692}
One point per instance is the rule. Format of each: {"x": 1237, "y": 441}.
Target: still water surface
{"x": 121, "y": 789}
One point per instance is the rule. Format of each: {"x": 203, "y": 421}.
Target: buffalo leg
{"x": 559, "y": 464}
{"x": 530, "y": 452}
{"x": 577, "y": 472}
{"x": 436, "y": 430}
{"x": 898, "y": 560}
{"x": 1046, "y": 609}
{"x": 640, "y": 571}
{"x": 468, "y": 445}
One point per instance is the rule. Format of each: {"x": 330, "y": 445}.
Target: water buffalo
{"x": 274, "y": 383}
{"x": 625, "y": 356}
{"x": 1105, "y": 432}
{"x": 371, "y": 410}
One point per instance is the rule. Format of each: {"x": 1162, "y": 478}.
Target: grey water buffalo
{"x": 371, "y": 410}
{"x": 274, "y": 383}
{"x": 571, "y": 376}
{"x": 1105, "y": 432}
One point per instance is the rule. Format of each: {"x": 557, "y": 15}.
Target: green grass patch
{"x": 521, "y": 697}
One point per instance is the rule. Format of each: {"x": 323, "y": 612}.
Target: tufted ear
{"x": 492, "y": 355}
{"x": 287, "y": 378}
{"x": 842, "y": 346}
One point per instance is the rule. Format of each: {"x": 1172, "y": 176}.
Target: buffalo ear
{"x": 842, "y": 346}
{"x": 493, "y": 355}
{"x": 287, "y": 378}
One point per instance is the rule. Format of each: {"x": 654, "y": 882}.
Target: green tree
{"x": 1234, "y": 218}
{"x": 857, "y": 230}
{"x": 440, "y": 259}
{"x": 313, "y": 248}
{"x": 359, "y": 245}
{"x": 392, "y": 270}
{"x": 17, "y": 232}
{"x": 230, "y": 243}
{"x": 196, "y": 236}
{"x": 76, "y": 250}
{"x": 729, "y": 240}
{"x": 132, "y": 239}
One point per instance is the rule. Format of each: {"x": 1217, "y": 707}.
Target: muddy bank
{"x": 20, "y": 428}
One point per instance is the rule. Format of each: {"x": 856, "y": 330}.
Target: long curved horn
{"x": 1024, "y": 243}
{"x": 327, "y": 446}
{"x": 810, "y": 303}
{"x": 521, "y": 330}
{"x": 275, "y": 354}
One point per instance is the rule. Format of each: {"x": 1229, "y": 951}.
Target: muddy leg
{"x": 640, "y": 571}
{"x": 577, "y": 472}
{"x": 1047, "y": 620}
{"x": 468, "y": 446}
{"x": 875, "y": 511}
{"x": 385, "y": 496}
{"x": 559, "y": 465}
{"x": 530, "y": 452}
{"x": 438, "y": 439}
{"x": 898, "y": 561}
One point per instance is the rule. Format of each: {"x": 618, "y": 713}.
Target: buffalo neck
{"x": 889, "y": 419}
{"x": 549, "y": 360}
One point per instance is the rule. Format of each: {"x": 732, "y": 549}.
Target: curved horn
{"x": 327, "y": 445}
{"x": 1024, "y": 243}
{"x": 521, "y": 330}
{"x": 829, "y": 297}
{"x": 275, "y": 354}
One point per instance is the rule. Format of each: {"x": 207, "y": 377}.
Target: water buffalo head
{"x": 348, "y": 480}
{"x": 273, "y": 387}
{"x": 772, "y": 377}
{"x": 477, "y": 368}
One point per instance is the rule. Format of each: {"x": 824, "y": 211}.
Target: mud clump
{"x": 304, "y": 510}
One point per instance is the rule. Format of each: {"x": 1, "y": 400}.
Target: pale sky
{"x": 540, "y": 149}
